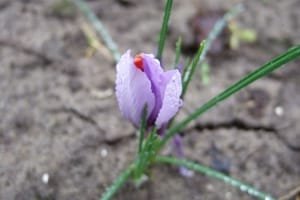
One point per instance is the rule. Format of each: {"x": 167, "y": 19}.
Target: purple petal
{"x": 178, "y": 150}
{"x": 133, "y": 90}
{"x": 171, "y": 98}
{"x": 155, "y": 74}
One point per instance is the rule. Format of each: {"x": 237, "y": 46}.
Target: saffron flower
{"x": 141, "y": 81}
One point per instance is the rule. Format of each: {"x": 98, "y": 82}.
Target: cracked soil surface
{"x": 58, "y": 113}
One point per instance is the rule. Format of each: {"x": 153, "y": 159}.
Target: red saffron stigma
{"x": 138, "y": 62}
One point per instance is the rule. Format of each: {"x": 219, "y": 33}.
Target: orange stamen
{"x": 138, "y": 62}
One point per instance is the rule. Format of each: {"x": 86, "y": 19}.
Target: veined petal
{"x": 133, "y": 90}
{"x": 155, "y": 74}
{"x": 153, "y": 66}
{"x": 171, "y": 98}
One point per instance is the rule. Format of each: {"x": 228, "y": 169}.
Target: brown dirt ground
{"x": 58, "y": 114}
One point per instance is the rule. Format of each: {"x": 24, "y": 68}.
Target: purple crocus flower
{"x": 142, "y": 81}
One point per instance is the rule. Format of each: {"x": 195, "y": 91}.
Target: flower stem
{"x": 264, "y": 70}
{"x": 164, "y": 29}
{"x": 214, "y": 174}
{"x": 178, "y": 52}
{"x": 191, "y": 69}
{"x": 142, "y": 129}
{"x": 99, "y": 27}
{"x": 118, "y": 183}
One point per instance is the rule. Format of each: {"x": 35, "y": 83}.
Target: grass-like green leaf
{"x": 264, "y": 70}
{"x": 214, "y": 174}
{"x": 164, "y": 29}
{"x": 147, "y": 154}
{"x": 190, "y": 70}
{"x": 142, "y": 129}
{"x": 118, "y": 183}
{"x": 205, "y": 71}
{"x": 178, "y": 52}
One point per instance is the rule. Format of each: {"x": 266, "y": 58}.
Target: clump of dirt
{"x": 201, "y": 24}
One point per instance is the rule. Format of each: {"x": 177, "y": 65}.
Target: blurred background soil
{"x": 61, "y": 133}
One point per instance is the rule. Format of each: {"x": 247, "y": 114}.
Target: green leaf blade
{"x": 215, "y": 174}
{"x": 118, "y": 183}
{"x": 164, "y": 29}
{"x": 178, "y": 52}
{"x": 142, "y": 129}
{"x": 191, "y": 69}
{"x": 264, "y": 70}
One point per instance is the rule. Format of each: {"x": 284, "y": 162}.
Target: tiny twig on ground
{"x": 93, "y": 41}
{"x": 291, "y": 194}
{"x": 99, "y": 27}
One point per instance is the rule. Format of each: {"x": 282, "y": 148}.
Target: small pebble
{"x": 279, "y": 111}
{"x": 104, "y": 153}
{"x": 228, "y": 195}
{"x": 210, "y": 187}
{"x": 186, "y": 172}
{"x": 102, "y": 94}
{"x": 45, "y": 178}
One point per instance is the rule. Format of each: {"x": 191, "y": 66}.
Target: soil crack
{"x": 30, "y": 51}
{"x": 241, "y": 125}
{"x": 88, "y": 119}
{"x": 80, "y": 116}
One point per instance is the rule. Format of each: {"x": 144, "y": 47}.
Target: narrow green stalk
{"x": 142, "y": 129}
{"x": 99, "y": 27}
{"x": 164, "y": 29}
{"x": 178, "y": 52}
{"x": 191, "y": 69}
{"x": 215, "y": 174}
{"x": 264, "y": 70}
{"x": 216, "y": 31}
{"x": 205, "y": 73}
{"x": 187, "y": 65}
{"x": 118, "y": 183}
{"x": 147, "y": 154}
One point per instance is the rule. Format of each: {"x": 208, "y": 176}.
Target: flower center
{"x": 138, "y": 62}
